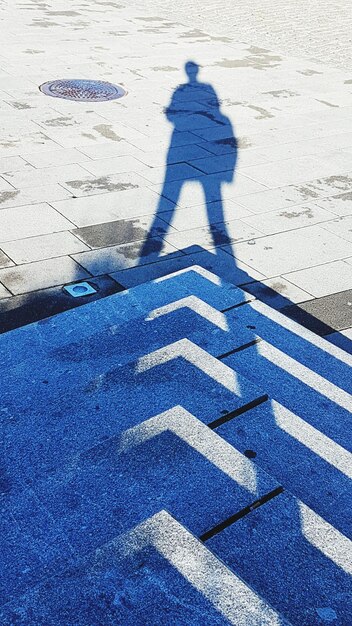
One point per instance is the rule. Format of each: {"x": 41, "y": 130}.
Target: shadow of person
{"x": 194, "y": 107}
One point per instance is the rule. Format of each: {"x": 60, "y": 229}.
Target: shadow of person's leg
{"x": 166, "y": 206}
{"x": 215, "y": 210}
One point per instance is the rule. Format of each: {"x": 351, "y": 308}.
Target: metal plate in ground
{"x": 82, "y": 90}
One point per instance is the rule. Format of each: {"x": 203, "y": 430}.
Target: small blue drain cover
{"x": 82, "y": 90}
{"x": 80, "y": 289}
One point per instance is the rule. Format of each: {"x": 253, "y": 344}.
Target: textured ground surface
{"x": 320, "y": 29}
{"x": 152, "y": 464}
{"x": 264, "y": 132}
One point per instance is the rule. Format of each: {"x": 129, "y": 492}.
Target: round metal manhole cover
{"x": 82, "y": 90}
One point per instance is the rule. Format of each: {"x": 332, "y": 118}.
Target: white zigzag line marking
{"x": 195, "y": 304}
{"x": 196, "y": 434}
{"x": 195, "y": 355}
{"x": 203, "y": 570}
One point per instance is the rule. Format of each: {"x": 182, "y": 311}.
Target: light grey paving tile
{"x": 115, "y": 165}
{"x": 340, "y": 204}
{"x": 280, "y": 198}
{"x": 5, "y": 185}
{"x": 236, "y": 230}
{"x": 97, "y": 209}
{"x": 44, "y": 176}
{"x": 13, "y": 145}
{"x": 42, "y": 274}
{"x": 46, "y": 193}
{"x": 279, "y": 254}
{"x": 323, "y": 280}
{"x": 330, "y": 185}
{"x": 54, "y": 158}
{"x": 89, "y": 185}
{"x": 43, "y": 247}
{"x": 29, "y": 221}
{"x": 291, "y": 171}
{"x": 341, "y": 226}
{"x": 4, "y": 259}
{"x": 289, "y": 219}
{"x": 14, "y": 163}
{"x": 115, "y": 258}
{"x": 4, "y": 293}
{"x": 278, "y": 292}
{"x": 110, "y": 150}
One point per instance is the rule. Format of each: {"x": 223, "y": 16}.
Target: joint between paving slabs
{"x": 242, "y": 409}
{"x": 239, "y": 349}
{"x": 240, "y": 514}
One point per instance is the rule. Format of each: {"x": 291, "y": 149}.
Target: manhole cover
{"x": 82, "y": 90}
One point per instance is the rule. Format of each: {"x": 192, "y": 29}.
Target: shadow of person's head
{"x": 192, "y": 70}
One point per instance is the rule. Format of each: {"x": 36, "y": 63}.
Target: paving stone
{"x": 295, "y": 544}
{"x": 16, "y": 144}
{"x": 289, "y": 219}
{"x": 109, "y": 150}
{"x": 89, "y": 185}
{"x": 115, "y": 165}
{"x": 215, "y": 260}
{"x": 115, "y": 258}
{"x": 323, "y": 280}
{"x": 122, "y": 231}
{"x": 176, "y": 171}
{"x": 46, "y": 175}
{"x": 201, "y": 215}
{"x": 174, "y": 155}
{"x": 5, "y": 185}
{"x": 56, "y": 158}
{"x": 4, "y": 260}
{"x": 340, "y": 204}
{"x": 4, "y": 293}
{"x": 43, "y": 247}
{"x": 134, "y": 276}
{"x": 14, "y": 164}
{"x": 115, "y": 205}
{"x": 213, "y": 164}
{"x": 294, "y": 171}
{"x": 341, "y": 226}
{"x": 220, "y": 234}
{"x": 32, "y": 276}
{"x": 291, "y": 251}
{"x": 240, "y": 187}
{"x": 277, "y": 292}
{"x": 33, "y": 195}
{"x": 31, "y": 220}
{"x": 334, "y": 311}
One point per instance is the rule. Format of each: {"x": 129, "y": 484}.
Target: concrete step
{"x": 154, "y": 400}
{"x": 80, "y": 323}
{"x": 157, "y": 573}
